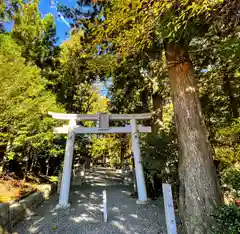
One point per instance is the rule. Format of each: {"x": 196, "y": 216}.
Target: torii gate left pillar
{"x": 67, "y": 167}
{"x": 72, "y": 128}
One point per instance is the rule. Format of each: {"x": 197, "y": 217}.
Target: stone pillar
{"x": 67, "y": 168}
{"x": 141, "y": 187}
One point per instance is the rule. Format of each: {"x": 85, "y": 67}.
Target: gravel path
{"x": 85, "y": 216}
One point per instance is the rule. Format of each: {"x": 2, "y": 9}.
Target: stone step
{"x": 99, "y": 175}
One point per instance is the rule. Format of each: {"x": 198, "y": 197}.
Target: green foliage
{"x": 133, "y": 26}
{"x": 160, "y": 156}
{"x": 8, "y": 10}
{"x": 227, "y": 220}
{"x": 25, "y": 102}
{"x": 226, "y": 156}
{"x": 106, "y": 147}
{"x": 74, "y": 82}
{"x": 34, "y": 79}
{"x": 36, "y": 35}
{"x": 227, "y": 145}
{"x": 53, "y": 179}
{"x": 231, "y": 177}
{"x": 231, "y": 131}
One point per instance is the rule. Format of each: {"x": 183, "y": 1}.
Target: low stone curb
{"x": 10, "y": 215}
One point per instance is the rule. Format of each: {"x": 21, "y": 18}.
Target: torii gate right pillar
{"x": 141, "y": 186}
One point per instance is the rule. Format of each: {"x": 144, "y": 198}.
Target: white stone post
{"x": 105, "y": 211}
{"x": 169, "y": 209}
{"x": 141, "y": 187}
{"x": 67, "y": 168}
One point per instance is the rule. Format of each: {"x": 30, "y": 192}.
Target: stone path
{"x": 85, "y": 214}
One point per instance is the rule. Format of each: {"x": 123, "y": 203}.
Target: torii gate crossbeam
{"x": 103, "y": 127}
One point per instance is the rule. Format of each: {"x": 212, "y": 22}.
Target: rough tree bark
{"x": 26, "y": 166}
{"x": 199, "y": 188}
{"x": 47, "y": 166}
{"x": 144, "y": 95}
{"x": 157, "y": 100}
{"x": 123, "y": 150}
{"x": 233, "y": 102}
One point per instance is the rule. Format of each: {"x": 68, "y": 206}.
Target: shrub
{"x": 231, "y": 177}
{"x": 231, "y": 183}
{"x": 227, "y": 220}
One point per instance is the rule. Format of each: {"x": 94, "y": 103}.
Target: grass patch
{"x": 53, "y": 179}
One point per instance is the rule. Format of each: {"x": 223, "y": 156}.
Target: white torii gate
{"x": 102, "y": 120}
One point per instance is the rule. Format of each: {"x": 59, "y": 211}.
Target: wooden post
{"x": 169, "y": 209}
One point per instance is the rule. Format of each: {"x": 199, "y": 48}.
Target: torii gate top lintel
{"x": 102, "y": 120}
{"x": 94, "y": 117}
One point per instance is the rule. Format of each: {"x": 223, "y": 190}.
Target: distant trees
{"x": 26, "y": 128}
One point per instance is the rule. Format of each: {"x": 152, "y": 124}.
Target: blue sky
{"x": 49, "y": 6}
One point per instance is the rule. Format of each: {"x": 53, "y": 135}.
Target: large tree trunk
{"x": 199, "y": 188}
{"x": 47, "y": 166}
{"x": 157, "y": 100}
{"x": 144, "y": 96}
{"x": 144, "y": 99}
{"x": 123, "y": 150}
{"x": 233, "y": 102}
{"x": 26, "y": 166}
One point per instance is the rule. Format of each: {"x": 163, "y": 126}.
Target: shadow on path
{"x": 85, "y": 214}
